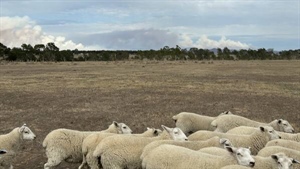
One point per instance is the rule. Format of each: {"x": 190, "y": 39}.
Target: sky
{"x": 151, "y": 24}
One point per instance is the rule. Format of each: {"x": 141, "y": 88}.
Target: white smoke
{"x": 16, "y": 31}
{"x": 205, "y": 43}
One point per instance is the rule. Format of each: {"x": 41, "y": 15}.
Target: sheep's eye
{"x": 285, "y": 124}
{"x": 176, "y": 132}
{"x": 26, "y": 132}
{"x": 124, "y": 127}
{"x": 271, "y": 131}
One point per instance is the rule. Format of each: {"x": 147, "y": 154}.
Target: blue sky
{"x": 151, "y": 24}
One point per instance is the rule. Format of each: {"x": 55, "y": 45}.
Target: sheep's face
{"x": 175, "y": 133}
{"x": 283, "y": 161}
{"x": 225, "y": 113}
{"x": 27, "y": 133}
{"x": 154, "y": 131}
{"x": 124, "y": 129}
{"x": 242, "y": 155}
{"x": 270, "y": 132}
{"x": 285, "y": 126}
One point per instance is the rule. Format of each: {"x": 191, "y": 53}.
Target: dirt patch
{"x": 90, "y": 95}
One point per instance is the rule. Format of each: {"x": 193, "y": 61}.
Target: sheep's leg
{"x": 92, "y": 161}
{"x": 53, "y": 160}
{"x": 84, "y": 163}
{"x": 110, "y": 162}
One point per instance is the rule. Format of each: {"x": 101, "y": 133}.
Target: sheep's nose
{"x": 293, "y": 131}
{"x": 252, "y": 164}
{"x": 186, "y": 139}
{"x": 279, "y": 137}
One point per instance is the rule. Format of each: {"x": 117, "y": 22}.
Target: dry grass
{"x": 90, "y": 95}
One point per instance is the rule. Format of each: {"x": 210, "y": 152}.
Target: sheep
{"x": 175, "y": 157}
{"x": 284, "y": 143}
{"x": 193, "y": 145}
{"x": 267, "y": 151}
{"x": 256, "y": 140}
{"x": 246, "y": 130}
{"x": 242, "y": 130}
{"x": 225, "y": 123}
{"x": 90, "y": 142}
{"x": 192, "y": 122}
{"x": 12, "y": 142}
{"x": 275, "y": 161}
{"x": 218, "y": 151}
{"x": 120, "y": 152}
{"x": 66, "y": 145}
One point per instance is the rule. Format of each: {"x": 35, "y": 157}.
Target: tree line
{"x": 50, "y": 52}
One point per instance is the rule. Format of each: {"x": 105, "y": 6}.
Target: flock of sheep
{"x": 227, "y": 141}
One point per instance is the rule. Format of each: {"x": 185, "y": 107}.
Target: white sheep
{"x": 277, "y": 149}
{"x": 285, "y": 143}
{"x": 120, "y": 152}
{"x": 12, "y": 142}
{"x": 175, "y": 157}
{"x": 246, "y": 130}
{"x": 192, "y": 122}
{"x": 90, "y": 142}
{"x": 275, "y": 161}
{"x": 225, "y": 123}
{"x": 193, "y": 145}
{"x": 66, "y": 145}
{"x": 256, "y": 140}
{"x": 267, "y": 151}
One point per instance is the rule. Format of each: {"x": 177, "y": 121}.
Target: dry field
{"x": 90, "y": 95}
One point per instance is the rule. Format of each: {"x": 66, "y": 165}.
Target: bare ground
{"x": 90, "y": 95}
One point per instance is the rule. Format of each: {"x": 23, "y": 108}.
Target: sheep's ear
{"x": 3, "y": 151}
{"x": 227, "y": 112}
{"x": 22, "y": 128}
{"x": 230, "y": 149}
{"x": 275, "y": 157}
{"x": 116, "y": 123}
{"x": 262, "y": 128}
{"x": 223, "y": 140}
{"x": 295, "y": 161}
{"x": 166, "y": 128}
{"x": 279, "y": 121}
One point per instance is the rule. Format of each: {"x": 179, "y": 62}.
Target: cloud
{"x": 16, "y": 31}
{"x": 205, "y": 43}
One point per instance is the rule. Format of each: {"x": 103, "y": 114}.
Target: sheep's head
{"x": 122, "y": 128}
{"x": 26, "y": 133}
{"x": 242, "y": 155}
{"x": 225, "y": 142}
{"x": 175, "y": 133}
{"x": 283, "y": 161}
{"x": 154, "y": 131}
{"x": 225, "y": 113}
{"x": 270, "y": 132}
{"x": 285, "y": 126}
